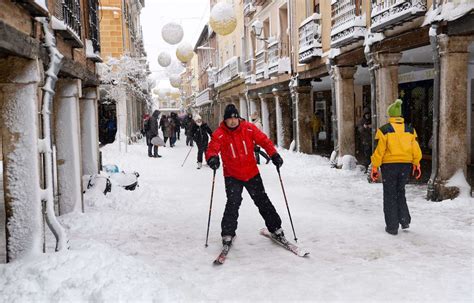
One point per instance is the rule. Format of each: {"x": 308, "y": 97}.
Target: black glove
{"x": 214, "y": 162}
{"x": 277, "y": 160}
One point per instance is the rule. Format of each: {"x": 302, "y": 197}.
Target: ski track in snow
{"x": 148, "y": 244}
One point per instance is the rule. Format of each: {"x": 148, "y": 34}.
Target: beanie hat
{"x": 395, "y": 109}
{"x": 230, "y": 112}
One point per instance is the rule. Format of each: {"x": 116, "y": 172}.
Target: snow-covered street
{"x": 148, "y": 244}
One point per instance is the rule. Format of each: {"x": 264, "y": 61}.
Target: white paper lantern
{"x": 175, "y": 68}
{"x": 223, "y": 20}
{"x": 164, "y": 59}
{"x": 184, "y": 52}
{"x": 172, "y": 33}
{"x": 175, "y": 81}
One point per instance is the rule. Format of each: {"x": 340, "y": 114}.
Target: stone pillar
{"x": 284, "y": 125}
{"x": 453, "y": 149}
{"x": 265, "y": 113}
{"x": 386, "y": 76}
{"x": 303, "y": 108}
{"x": 243, "y": 110}
{"x": 89, "y": 131}
{"x": 344, "y": 77}
{"x": 68, "y": 144}
{"x": 255, "y": 105}
{"x": 19, "y": 79}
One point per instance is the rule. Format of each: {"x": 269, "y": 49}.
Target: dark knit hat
{"x": 230, "y": 112}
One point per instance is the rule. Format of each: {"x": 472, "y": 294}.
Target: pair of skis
{"x": 264, "y": 232}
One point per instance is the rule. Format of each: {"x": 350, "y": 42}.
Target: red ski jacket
{"x": 237, "y": 149}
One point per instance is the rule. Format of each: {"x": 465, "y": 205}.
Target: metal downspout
{"x": 330, "y": 66}
{"x": 432, "y": 194}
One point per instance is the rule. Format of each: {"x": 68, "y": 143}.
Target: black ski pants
{"x": 254, "y": 186}
{"x": 201, "y": 150}
{"x": 395, "y": 208}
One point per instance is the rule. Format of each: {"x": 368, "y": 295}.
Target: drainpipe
{"x": 47, "y": 197}
{"x": 330, "y": 67}
{"x": 432, "y": 195}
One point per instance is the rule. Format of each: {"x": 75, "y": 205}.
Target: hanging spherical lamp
{"x": 164, "y": 59}
{"x": 184, "y": 52}
{"x": 175, "y": 81}
{"x": 172, "y": 33}
{"x": 223, "y": 20}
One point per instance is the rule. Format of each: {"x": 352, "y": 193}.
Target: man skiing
{"x": 396, "y": 154}
{"x": 234, "y": 139}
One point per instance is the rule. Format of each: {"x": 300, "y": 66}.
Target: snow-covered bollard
{"x": 172, "y": 33}
{"x": 223, "y": 20}
{"x": 347, "y": 162}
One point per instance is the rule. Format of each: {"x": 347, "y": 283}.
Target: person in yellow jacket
{"x": 396, "y": 154}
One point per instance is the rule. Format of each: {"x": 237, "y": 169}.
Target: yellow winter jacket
{"x": 396, "y": 144}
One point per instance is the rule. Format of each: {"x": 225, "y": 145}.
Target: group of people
{"x": 237, "y": 141}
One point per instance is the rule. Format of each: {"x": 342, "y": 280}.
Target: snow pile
{"x": 93, "y": 273}
{"x": 458, "y": 180}
{"x": 347, "y": 162}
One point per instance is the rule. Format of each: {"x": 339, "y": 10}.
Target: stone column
{"x": 265, "y": 113}
{"x": 89, "y": 131}
{"x": 386, "y": 76}
{"x": 255, "y": 105}
{"x": 243, "y": 110}
{"x": 19, "y": 79}
{"x": 303, "y": 108}
{"x": 344, "y": 77}
{"x": 453, "y": 149}
{"x": 68, "y": 144}
{"x": 284, "y": 125}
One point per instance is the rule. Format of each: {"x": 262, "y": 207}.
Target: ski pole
{"x": 286, "y": 201}
{"x": 210, "y": 206}
{"x": 187, "y": 155}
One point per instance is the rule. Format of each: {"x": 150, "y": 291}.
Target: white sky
{"x": 190, "y": 14}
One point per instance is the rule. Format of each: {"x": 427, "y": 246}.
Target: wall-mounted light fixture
{"x": 257, "y": 28}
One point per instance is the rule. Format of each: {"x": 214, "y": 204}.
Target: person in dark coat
{"x": 234, "y": 140}
{"x": 364, "y": 127}
{"x": 188, "y": 123}
{"x": 151, "y": 128}
{"x": 199, "y": 132}
{"x": 163, "y": 123}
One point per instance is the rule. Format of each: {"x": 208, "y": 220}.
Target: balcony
{"x": 278, "y": 60}
{"x": 67, "y": 21}
{"x": 37, "y": 8}
{"x": 261, "y": 66}
{"x": 310, "y": 39}
{"x": 388, "y": 13}
{"x": 249, "y": 7}
{"x": 229, "y": 72}
{"x": 211, "y": 76}
{"x": 250, "y": 71}
{"x": 348, "y": 24}
{"x": 203, "y": 97}
{"x": 94, "y": 32}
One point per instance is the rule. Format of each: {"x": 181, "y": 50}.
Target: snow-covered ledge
{"x": 90, "y": 53}
{"x": 386, "y": 14}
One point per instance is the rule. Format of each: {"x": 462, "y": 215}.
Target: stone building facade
{"x": 302, "y": 59}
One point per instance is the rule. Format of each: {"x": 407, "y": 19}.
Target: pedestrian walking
{"x": 257, "y": 150}
{"x": 171, "y": 129}
{"x": 315, "y": 127}
{"x": 188, "y": 123}
{"x": 151, "y": 131}
{"x": 397, "y": 154}
{"x": 200, "y": 133}
{"x": 163, "y": 124}
{"x": 234, "y": 140}
{"x": 364, "y": 127}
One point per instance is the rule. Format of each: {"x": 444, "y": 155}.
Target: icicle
{"x": 45, "y": 143}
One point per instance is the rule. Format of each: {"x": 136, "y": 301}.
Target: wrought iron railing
{"x": 94, "y": 30}
{"x": 388, "y": 13}
{"x": 71, "y": 10}
{"x": 348, "y": 22}
{"x": 310, "y": 39}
